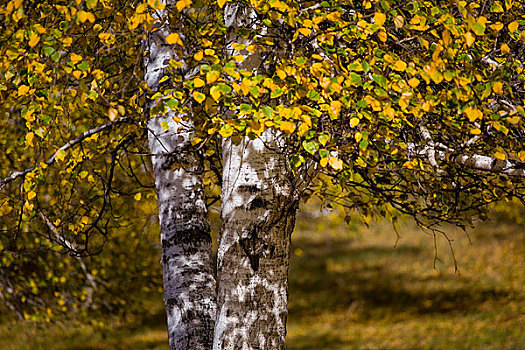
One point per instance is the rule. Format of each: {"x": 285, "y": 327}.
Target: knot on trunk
{"x": 253, "y": 246}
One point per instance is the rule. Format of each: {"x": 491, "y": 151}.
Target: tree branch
{"x": 473, "y": 161}
{"x": 15, "y": 175}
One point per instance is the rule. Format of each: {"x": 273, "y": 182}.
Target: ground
{"x": 352, "y": 287}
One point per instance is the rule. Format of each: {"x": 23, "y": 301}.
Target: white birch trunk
{"x": 258, "y": 217}
{"x": 189, "y": 284}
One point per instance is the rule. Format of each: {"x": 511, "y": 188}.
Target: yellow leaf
{"x": 137, "y": 196}
{"x": 354, "y": 122}
{"x": 382, "y": 35}
{"x": 281, "y": 74}
{"x": 77, "y": 74}
{"x": 112, "y": 114}
{"x": 497, "y": 87}
{"x": 379, "y": 18}
{"x": 31, "y": 195}
{"x": 475, "y": 131}
{"x": 513, "y": 26}
{"x": 75, "y": 58}
{"x": 198, "y": 82}
{"x": 521, "y": 156}
{"x": 414, "y": 82}
{"x": 29, "y": 139}
{"x": 174, "y": 38}
{"x": 400, "y": 66}
{"x": 505, "y": 49}
{"x": 60, "y": 155}
{"x": 215, "y": 94}
{"x": 67, "y": 41}
{"x": 221, "y": 3}
{"x": 324, "y": 162}
{"x": 40, "y": 29}
{"x": 409, "y": 164}
{"x": 303, "y": 129}
{"x": 212, "y": 76}
{"x": 33, "y": 39}
{"x": 469, "y": 38}
{"x": 473, "y": 114}
{"x": 199, "y": 97}
{"x": 305, "y": 31}
{"x": 84, "y": 16}
{"x": 499, "y": 155}
{"x": 238, "y": 46}
{"x": 336, "y": 163}
{"x": 182, "y": 4}
{"x": 287, "y": 127}
{"x": 239, "y": 58}
{"x": 22, "y": 90}
{"x": 497, "y": 26}
{"x": 198, "y": 56}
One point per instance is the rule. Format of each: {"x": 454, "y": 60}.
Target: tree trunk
{"x": 189, "y": 284}
{"x": 258, "y": 217}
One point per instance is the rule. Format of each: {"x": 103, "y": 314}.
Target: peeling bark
{"x": 258, "y": 217}
{"x": 189, "y": 284}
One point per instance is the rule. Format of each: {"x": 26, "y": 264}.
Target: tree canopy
{"x": 386, "y": 107}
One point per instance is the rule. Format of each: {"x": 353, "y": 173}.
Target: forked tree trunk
{"x": 258, "y": 217}
{"x": 189, "y": 284}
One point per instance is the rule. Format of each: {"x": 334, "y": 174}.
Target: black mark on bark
{"x": 253, "y": 246}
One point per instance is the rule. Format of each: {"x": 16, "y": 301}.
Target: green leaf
{"x": 496, "y": 7}
{"x": 83, "y": 66}
{"x": 323, "y": 139}
{"x": 366, "y": 66}
{"x": 267, "y": 111}
{"x": 300, "y": 60}
{"x": 48, "y": 51}
{"x": 225, "y": 88}
{"x": 296, "y": 160}
{"x": 313, "y": 95}
{"x": 276, "y": 93}
{"x": 354, "y": 66}
{"x": 355, "y": 79}
{"x": 56, "y": 56}
{"x": 379, "y": 79}
{"x": 254, "y": 90}
{"x": 172, "y": 103}
{"x": 478, "y": 28}
{"x": 361, "y": 104}
{"x": 311, "y": 146}
{"x": 245, "y": 109}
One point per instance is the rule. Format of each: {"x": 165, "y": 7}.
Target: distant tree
{"x": 385, "y": 107}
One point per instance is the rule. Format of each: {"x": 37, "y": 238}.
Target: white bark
{"x": 258, "y": 216}
{"x": 189, "y": 284}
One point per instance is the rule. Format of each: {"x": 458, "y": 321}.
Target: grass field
{"x": 352, "y": 288}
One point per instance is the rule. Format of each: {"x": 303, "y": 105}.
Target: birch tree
{"x": 189, "y": 284}
{"x": 386, "y": 107}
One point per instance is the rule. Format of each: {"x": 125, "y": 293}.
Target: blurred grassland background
{"x": 353, "y": 287}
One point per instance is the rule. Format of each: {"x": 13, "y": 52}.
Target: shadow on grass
{"x": 338, "y": 276}
{"x": 356, "y": 284}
